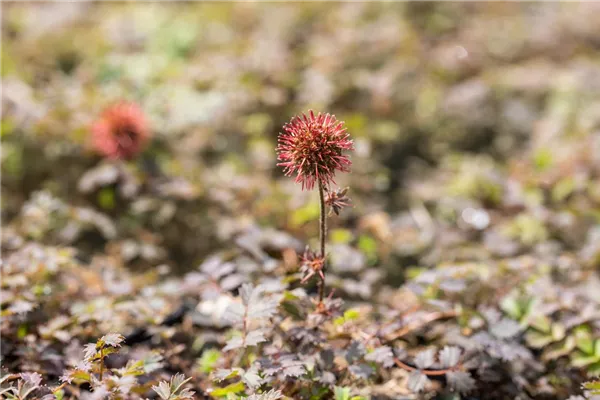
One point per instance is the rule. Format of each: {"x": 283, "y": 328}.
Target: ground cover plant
{"x": 300, "y": 201}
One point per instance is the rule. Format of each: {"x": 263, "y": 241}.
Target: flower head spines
{"x": 121, "y": 132}
{"x": 312, "y": 146}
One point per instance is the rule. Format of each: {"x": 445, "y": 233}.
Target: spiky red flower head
{"x": 121, "y": 132}
{"x": 312, "y": 148}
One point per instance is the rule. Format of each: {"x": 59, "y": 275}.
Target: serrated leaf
{"x": 177, "y": 382}
{"x": 417, "y": 381}
{"x": 251, "y": 378}
{"x": 505, "y": 328}
{"x": 225, "y": 373}
{"x": 247, "y": 292}
{"x": 89, "y": 351}
{"x": 163, "y": 390}
{"x": 234, "y": 343}
{"x": 382, "y": 355}
{"x": 425, "y": 359}
{"x": 449, "y": 356}
{"x": 174, "y": 388}
{"x": 254, "y": 337}
{"x": 362, "y": 371}
{"x": 354, "y": 352}
{"x": 234, "y": 313}
{"x": 152, "y": 362}
{"x": 294, "y": 370}
{"x": 270, "y": 395}
{"x": 460, "y": 381}
{"x": 112, "y": 339}
{"x": 262, "y": 308}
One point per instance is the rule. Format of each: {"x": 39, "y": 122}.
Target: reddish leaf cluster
{"x": 337, "y": 200}
{"x": 121, "y": 132}
{"x": 311, "y": 147}
{"x": 312, "y": 264}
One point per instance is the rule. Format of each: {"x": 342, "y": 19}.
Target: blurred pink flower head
{"x": 311, "y": 147}
{"x": 121, "y": 132}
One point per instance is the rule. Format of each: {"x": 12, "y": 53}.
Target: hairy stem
{"x": 322, "y": 236}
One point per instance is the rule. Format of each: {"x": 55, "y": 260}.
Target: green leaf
{"x": 593, "y": 386}
{"x": 542, "y": 159}
{"x": 559, "y": 349}
{"x": 541, "y": 323}
{"x": 583, "y": 340}
{"x": 368, "y": 246}
{"x": 563, "y": 189}
{"x": 7, "y": 126}
{"x": 22, "y": 331}
{"x": 558, "y": 331}
{"x": 342, "y": 236}
{"x": 292, "y": 309}
{"x": 594, "y": 369}
{"x": 234, "y": 388}
{"x": 106, "y": 198}
{"x": 580, "y": 359}
{"x": 309, "y": 212}
{"x": 537, "y": 339}
{"x": 208, "y": 360}
{"x": 341, "y": 393}
{"x": 349, "y": 315}
{"x": 511, "y": 306}
{"x": 79, "y": 375}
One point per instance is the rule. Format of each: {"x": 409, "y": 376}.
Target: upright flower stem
{"x": 322, "y": 236}
{"x": 101, "y": 363}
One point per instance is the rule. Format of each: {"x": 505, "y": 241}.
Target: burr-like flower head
{"x": 121, "y": 132}
{"x": 311, "y": 147}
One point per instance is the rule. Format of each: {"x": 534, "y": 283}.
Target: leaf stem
{"x": 322, "y": 236}
{"x": 58, "y": 388}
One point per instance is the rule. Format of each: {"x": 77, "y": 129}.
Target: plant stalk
{"x": 322, "y": 236}
{"x": 101, "y": 363}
